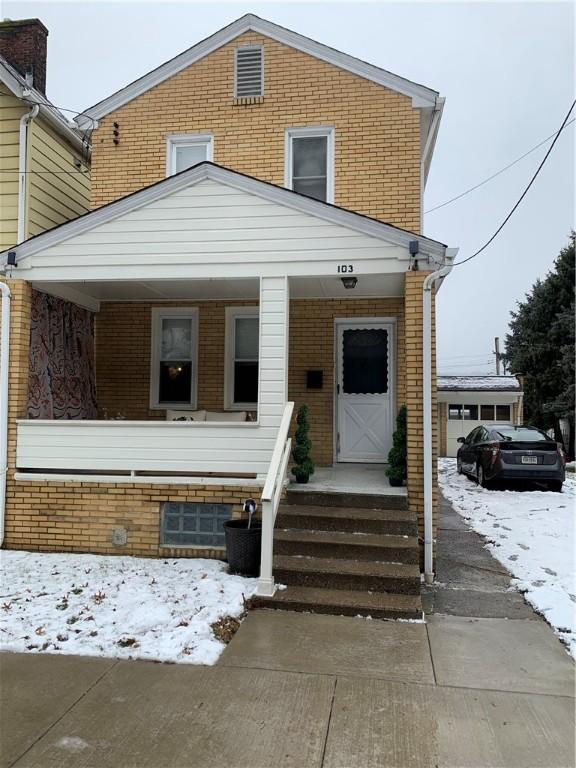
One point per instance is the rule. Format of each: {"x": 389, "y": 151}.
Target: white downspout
{"x": 427, "y": 286}
{"x": 22, "y": 150}
{"x": 4, "y": 362}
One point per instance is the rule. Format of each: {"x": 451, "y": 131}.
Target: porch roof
{"x": 209, "y": 222}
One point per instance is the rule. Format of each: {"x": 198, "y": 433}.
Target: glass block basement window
{"x": 186, "y": 524}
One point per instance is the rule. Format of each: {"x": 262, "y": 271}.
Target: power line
{"x": 46, "y": 104}
{"x": 494, "y": 175}
{"x": 17, "y": 172}
{"x": 523, "y": 195}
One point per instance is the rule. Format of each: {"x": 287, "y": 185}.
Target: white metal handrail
{"x": 271, "y": 495}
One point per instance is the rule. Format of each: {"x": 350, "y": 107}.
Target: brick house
{"x": 255, "y": 242}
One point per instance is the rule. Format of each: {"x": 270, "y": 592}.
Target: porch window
{"x": 187, "y": 524}
{"x": 174, "y": 357}
{"x": 185, "y": 150}
{"x": 309, "y": 162}
{"x": 242, "y": 353}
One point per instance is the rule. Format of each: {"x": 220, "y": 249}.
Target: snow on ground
{"x": 532, "y": 533}
{"x": 124, "y": 607}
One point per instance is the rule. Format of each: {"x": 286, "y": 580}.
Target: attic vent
{"x": 248, "y": 71}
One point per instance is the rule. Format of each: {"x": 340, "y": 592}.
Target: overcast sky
{"x": 506, "y": 70}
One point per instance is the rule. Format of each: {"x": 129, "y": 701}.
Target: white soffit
{"x": 91, "y": 294}
{"x": 421, "y": 95}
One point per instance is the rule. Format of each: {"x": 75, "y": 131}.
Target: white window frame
{"x": 186, "y": 140}
{"x": 311, "y": 131}
{"x": 245, "y": 48}
{"x": 229, "y": 348}
{"x": 159, "y": 314}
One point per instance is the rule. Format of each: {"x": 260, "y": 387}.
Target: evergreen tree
{"x": 397, "y": 458}
{"x": 304, "y": 466}
{"x": 540, "y": 346}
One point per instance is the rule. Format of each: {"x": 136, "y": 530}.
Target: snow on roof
{"x": 473, "y": 383}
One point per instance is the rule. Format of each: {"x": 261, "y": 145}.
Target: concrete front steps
{"x": 345, "y": 554}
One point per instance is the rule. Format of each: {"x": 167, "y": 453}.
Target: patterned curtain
{"x": 62, "y": 381}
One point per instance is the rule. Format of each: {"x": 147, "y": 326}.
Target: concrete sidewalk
{"x": 468, "y": 688}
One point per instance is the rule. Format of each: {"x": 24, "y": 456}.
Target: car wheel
{"x": 556, "y": 486}
{"x": 459, "y": 466}
{"x": 480, "y": 477}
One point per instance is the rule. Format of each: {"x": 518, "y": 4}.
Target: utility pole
{"x": 498, "y": 356}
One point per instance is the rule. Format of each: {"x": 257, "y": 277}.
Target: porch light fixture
{"x": 349, "y": 282}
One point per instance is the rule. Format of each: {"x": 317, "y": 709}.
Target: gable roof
{"x": 422, "y": 97}
{"x": 210, "y": 171}
{"x": 19, "y": 87}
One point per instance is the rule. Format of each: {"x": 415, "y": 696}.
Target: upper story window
{"x": 173, "y": 359}
{"x": 185, "y": 150}
{"x": 309, "y": 166}
{"x": 248, "y": 71}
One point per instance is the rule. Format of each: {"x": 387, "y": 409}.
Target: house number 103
{"x": 345, "y": 268}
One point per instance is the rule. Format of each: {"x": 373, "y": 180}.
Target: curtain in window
{"x": 62, "y": 381}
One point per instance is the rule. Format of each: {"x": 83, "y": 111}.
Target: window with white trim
{"x": 173, "y": 359}
{"x": 309, "y": 162}
{"x": 185, "y": 150}
{"x": 242, "y": 356}
{"x": 248, "y": 71}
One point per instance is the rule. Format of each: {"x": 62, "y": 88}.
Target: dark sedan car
{"x": 501, "y": 452}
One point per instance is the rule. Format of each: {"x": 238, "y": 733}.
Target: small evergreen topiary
{"x": 304, "y": 466}
{"x": 397, "y": 469}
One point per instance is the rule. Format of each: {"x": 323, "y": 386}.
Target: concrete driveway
{"x": 318, "y": 691}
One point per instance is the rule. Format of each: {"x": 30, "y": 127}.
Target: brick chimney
{"x": 23, "y": 43}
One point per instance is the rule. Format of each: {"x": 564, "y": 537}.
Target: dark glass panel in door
{"x": 365, "y": 361}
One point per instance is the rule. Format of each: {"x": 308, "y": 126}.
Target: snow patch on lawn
{"x": 122, "y": 607}
{"x": 532, "y": 533}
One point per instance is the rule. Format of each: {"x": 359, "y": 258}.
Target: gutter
{"x": 4, "y": 362}
{"x": 25, "y": 120}
{"x": 57, "y": 122}
{"x": 428, "y": 284}
{"x": 428, "y": 151}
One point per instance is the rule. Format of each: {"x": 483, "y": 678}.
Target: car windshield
{"x": 523, "y": 434}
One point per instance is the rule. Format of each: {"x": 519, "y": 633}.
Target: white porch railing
{"x": 271, "y": 495}
{"x": 145, "y": 446}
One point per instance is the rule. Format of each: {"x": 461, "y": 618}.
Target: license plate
{"x": 529, "y": 460}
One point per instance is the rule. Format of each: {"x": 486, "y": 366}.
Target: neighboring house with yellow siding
{"x": 44, "y": 157}
{"x": 255, "y": 241}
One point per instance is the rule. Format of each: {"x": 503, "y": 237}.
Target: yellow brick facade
{"x": 81, "y": 517}
{"x": 377, "y": 130}
{"x": 414, "y": 336}
{"x": 123, "y": 349}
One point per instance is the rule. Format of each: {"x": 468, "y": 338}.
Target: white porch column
{"x": 273, "y": 394}
{"x": 273, "y": 366}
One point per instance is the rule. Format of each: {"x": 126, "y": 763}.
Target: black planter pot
{"x": 243, "y": 547}
{"x": 395, "y": 483}
{"x": 302, "y": 478}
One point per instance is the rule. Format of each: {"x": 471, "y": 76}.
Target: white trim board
{"x": 422, "y": 97}
{"x": 78, "y": 477}
{"x": 209, "y": 171}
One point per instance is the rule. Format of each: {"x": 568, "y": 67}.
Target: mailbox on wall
{"x": 314, "y": 379}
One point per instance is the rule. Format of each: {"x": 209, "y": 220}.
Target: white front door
{"x": 364, "y": 390}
